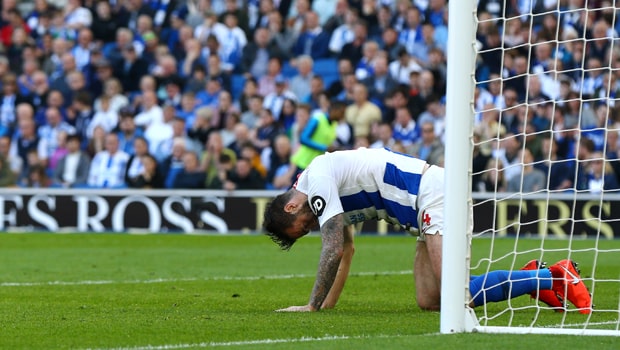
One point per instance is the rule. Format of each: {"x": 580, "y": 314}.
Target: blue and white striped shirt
{"x": 364, "y": 184}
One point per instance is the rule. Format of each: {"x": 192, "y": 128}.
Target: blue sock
{"x": 502, "y": 285}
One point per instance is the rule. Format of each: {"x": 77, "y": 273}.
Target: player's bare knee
{"x": 427, "y": 303}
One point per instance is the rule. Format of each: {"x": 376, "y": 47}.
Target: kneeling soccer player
{"x": 343, "y": 188}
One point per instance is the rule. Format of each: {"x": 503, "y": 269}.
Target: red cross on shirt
{"x": 427, "y": 219}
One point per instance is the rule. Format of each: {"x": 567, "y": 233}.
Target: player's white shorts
{"x": 430, "y": 202}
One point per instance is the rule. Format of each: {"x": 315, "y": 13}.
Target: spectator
{"x": 266, "y": 130}
{"x": 59, "y": 152}
{"x": 192, "y": 58}
{"x": 362, "y": 113}
{"x": 216, "y": 160}
{"x": 599, "y": 174}
{"x": 12, "y": 161}
{"x": 313, "y": 41}
{"x": 210, "y": 26}
{"x": 83, "y": 48}
{"x": 243, "y": 177}
{"x": 135, "y": 167}
{"x": 104, "y": 26}
{"x": 402, "y": 68}
{"x": 250, "y": 89}
{"x": 225, "y": 109}
{"x": 556, "y": 170}
{"x": 259, "y": 14}
{"x": 317, "y": 91}
{"x": 130, "y": 68}
{"x": 492, "y": 179}
{"x": 354, "y": 50}
{"x": 228, "y": 131}
{"x": 530, "y": 179}
{"x": 187, "y": 108}
{"x": 283, "y": 37}
{"x": 232, "y": 8}
{"x": 209, "y": 96}
{"x": 300, "y": 83}
{"x": 275, "y": 100}
{"x": 267, "y": 83}
{"x": 160, "y": 135}
{"x": 24, "y": 80}
{"x": 366, "y": 65}
{"x": 383, "y": 136}
{"x": 411, "y": 32}
{"x": 279, "y": 169}
{"x": 96, "y": 143}
{"x": 405, "y": 130}
{"x": 252, "y": 115}
{"x": 150, "y": 111}
{"x": 76, "y": 16}
{"x": 232, "y": 43}
{"x": 60, "y": 80}
{"x": 107, "y": 169}
{"x": 331, "y": 16}
{"x": 201, "y": 127}
{"x": 48, "y": 133}
{"x": 172, "y": 165}
{"x": 39, "y": 95}
{"x": 113, "y": 90}
{"x": 150, "y": 177}
{"x": 428, "y": 147}
{"x": 344, "y": 33}
{"x": 191, "y": 177}
{"x": 9, "y": 100}
{"x": 197, "y": 80}
{"x": 7, "y": 176}
{"x": 80, "y": 113}
{"x": 251, "y": 153}
{"x": 508, "y": 153}
{"x": 172, "y": 91}
{"x": 72, "y": 169}
{"x": 127, "y": 131}
{"x": 380, "y": 83}
{"x": 37, "y": 177}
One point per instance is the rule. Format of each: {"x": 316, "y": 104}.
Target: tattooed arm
{"x": 332, "y": 236}
{"x": 343, "y": 270}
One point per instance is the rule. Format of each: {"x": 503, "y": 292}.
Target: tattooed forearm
{"x": 331, "y": 253}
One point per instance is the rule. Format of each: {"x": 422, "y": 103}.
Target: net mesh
{"x": 546, "y": 165}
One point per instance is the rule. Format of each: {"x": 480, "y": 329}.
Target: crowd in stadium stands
{"x": 228, "y": 94}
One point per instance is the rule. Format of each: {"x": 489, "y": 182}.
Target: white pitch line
{"x": 248, "y": 342}
{"x": 169, "y": 280}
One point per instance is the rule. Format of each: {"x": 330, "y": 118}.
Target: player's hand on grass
{"x": 303, "y": 308}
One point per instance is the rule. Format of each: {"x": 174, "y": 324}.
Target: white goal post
{"x": 562, "y": 228}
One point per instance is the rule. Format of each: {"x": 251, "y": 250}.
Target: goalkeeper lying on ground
{"x": 347, "y": 187}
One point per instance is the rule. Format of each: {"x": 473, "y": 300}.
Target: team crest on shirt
{"x": 317, "y": 205}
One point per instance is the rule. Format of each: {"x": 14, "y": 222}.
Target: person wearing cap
{"x": 275, "y": 100}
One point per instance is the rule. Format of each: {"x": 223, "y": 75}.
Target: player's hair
{"x": 276, "y": 220}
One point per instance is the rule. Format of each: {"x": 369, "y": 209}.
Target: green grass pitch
{"x": 118, "y": 291}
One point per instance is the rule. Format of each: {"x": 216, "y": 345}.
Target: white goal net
{"x": 545, "y": 172}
